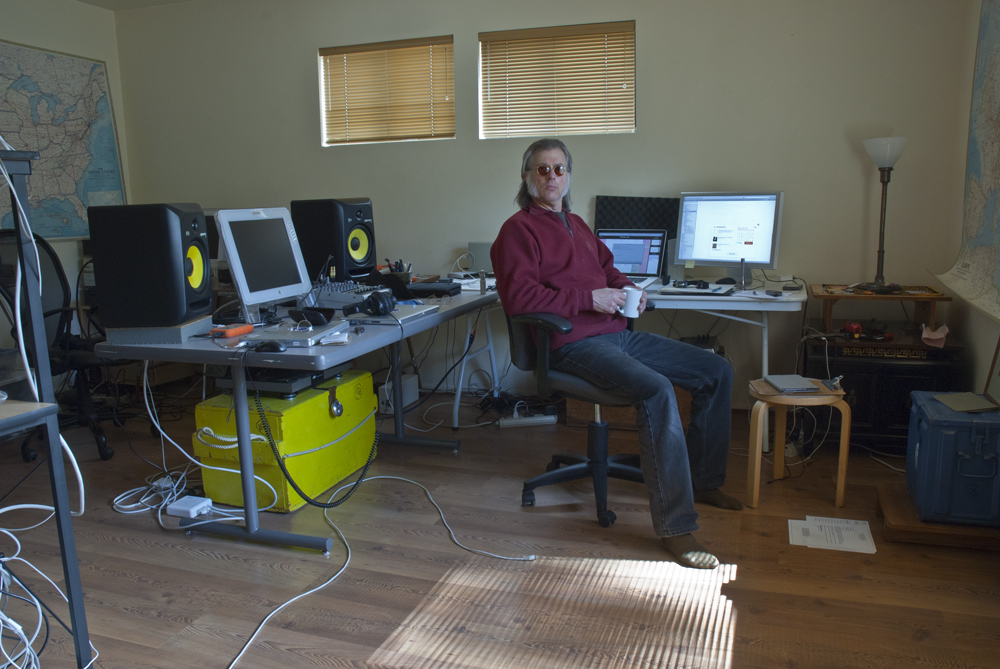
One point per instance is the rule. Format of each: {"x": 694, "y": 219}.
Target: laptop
{"x": 790, "y": 383}
{"x": 639, "y": 254}
{"x": 289, "y": 334}
{"x": 400, "y": 314}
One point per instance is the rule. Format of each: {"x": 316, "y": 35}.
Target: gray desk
{"x": 749, "y": 301}
{"x": 205, "y": 351}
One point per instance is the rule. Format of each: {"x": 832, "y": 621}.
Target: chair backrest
{"x": 524, "y": 356}
{"x": 55, "y": 298}
{"x": 523, "y": 352}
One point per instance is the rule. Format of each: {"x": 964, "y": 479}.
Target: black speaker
{"x": 379, "y": 303}
{"x": 151, "y": 264}
{"x": 336, "y": 235}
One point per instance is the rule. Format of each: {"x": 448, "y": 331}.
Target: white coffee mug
{"x": 633, "y": 296}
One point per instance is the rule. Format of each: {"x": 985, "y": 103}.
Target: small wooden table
{"x": 924, "y": 300}
{"x": 768, "y": 397}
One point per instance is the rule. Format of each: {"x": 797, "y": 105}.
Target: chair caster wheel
{"x": 552, "y": 466}
{"x": 103, "y": 449}
{"x": 528, "y": 498}
{"x": 606, "y": 518}
{"x": 28, "y": 454}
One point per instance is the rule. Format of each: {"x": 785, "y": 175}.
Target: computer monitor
{"x": 729, "y": 229}
{"x": 264, "y": 257}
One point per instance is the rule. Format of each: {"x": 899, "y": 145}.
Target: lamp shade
{"x": 885, "y": 151}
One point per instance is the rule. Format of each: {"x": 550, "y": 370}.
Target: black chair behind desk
{"x": 67, "y": 352}
{"x": 596, "y": 464}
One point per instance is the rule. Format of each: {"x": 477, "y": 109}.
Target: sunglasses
{"x": 543, "y": 170}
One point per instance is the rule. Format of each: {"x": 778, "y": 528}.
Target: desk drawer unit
{"x": 318, "y": 447}
{"x": 951, "y": 463}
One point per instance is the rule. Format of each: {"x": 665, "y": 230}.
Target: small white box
{"x": 189, "y": 507}
{"x": 411, "y": 393}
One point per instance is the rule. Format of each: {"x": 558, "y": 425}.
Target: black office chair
{"x": 596, "y": 464}
{"x": 67, "y": 352}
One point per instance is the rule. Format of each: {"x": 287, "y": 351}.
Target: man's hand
{"x": 607, "y": 300}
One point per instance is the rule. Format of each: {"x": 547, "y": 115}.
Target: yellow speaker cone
{"x": 358, "y": 244}
{"x": 196, "y": 268}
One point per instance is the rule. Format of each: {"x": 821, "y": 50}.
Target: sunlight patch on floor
{"x": 568, "y": 612}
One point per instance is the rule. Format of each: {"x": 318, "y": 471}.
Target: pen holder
{"x": 405, "y": 277}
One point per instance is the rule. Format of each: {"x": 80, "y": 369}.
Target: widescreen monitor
{"x": 729, "y": 229}
{"x": 264, "y": 257}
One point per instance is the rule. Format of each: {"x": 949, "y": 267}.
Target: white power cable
{"x": 151, "y": 410}
{"x": 28, "y": 235}
{"x": 348, "y": 560}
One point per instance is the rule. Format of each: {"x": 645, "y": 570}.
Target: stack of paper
{"x": 840, "y": 534}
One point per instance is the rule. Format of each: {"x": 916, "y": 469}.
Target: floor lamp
{"x": 885, "y": 151}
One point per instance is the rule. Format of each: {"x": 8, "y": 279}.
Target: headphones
{"x": 379, "y": 303}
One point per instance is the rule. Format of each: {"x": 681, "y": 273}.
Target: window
{"x": 389, "y": 91}
{"x": 566, "y": 80}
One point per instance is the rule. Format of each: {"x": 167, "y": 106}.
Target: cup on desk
{"x": 633, "y": 296}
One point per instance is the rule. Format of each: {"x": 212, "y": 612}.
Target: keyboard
{"x": 642, "y": 281}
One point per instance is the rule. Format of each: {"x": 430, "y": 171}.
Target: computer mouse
{"x": 312, "y": 315}
{"x": 726, "y": 280}
{"x": 270, "y": 346}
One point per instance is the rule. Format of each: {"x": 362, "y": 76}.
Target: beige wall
{"x": 219, "y": 98}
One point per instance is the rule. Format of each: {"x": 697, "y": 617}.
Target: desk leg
{"x": 923, "y": 313}
{"x": 67, "y": 542}
{"x": 399, "y": 434}
{"x": 764, "y": 366}
{"x": 828, "y": 315}
{"x": 251, "y": 531}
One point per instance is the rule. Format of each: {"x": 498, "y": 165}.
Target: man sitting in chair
{"x": 546, "y": 259}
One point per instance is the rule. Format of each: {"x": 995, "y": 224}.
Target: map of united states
{"x": 976, "y": 274}
{"x": 59, "y": 106}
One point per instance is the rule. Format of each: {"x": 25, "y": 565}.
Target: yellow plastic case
{"x": 303, "y": 429}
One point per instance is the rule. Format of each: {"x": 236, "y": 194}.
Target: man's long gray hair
{"x": 524, "y": 199}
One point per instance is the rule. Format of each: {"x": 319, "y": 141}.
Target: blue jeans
{"x": 647, "y": 366}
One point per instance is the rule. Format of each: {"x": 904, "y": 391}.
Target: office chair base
{"x": 597, "y": 465}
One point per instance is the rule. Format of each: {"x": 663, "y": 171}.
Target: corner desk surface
{"x": 924, "y": 300}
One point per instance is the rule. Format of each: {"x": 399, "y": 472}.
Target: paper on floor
{"x": 839, "y": 534}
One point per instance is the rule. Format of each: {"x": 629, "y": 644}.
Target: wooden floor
{"x": 594, "y": 598}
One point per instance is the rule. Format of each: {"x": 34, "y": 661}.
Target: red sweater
{"x": 540, "y": 266}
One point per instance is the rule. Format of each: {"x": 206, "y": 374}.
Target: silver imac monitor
{"x": 731, "y": 230}
{"x": 264, "y": 257}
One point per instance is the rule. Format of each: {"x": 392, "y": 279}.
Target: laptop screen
{"x": 637, "y": 252}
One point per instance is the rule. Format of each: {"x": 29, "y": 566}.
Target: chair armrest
{"x": 544, "y": 323}
{"x": 545, "y": 320}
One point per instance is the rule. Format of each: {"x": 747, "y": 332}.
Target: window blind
{"x": 574, "y": 80}
{"x": 388, "y": 91}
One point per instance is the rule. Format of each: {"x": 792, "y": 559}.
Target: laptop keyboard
{"x": 642, "y": 281}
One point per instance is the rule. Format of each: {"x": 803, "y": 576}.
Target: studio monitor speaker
{"x": 151, "y": 264}
{"x": 336, "y": 235}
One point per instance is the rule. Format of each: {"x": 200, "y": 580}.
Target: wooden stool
{"x": 768, "y": 396}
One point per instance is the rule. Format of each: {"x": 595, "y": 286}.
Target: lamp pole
{"x": 884, "y": 173}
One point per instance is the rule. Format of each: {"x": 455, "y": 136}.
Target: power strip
{"x": 524, "y": 421}
{"x": 189, "y": 507}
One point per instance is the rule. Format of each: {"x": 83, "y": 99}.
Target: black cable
{"x": 472, "y": 338}
{"x": 25, "y": 477}
{"x": 288, "y": 476}
{"x": 45, "y": 639}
